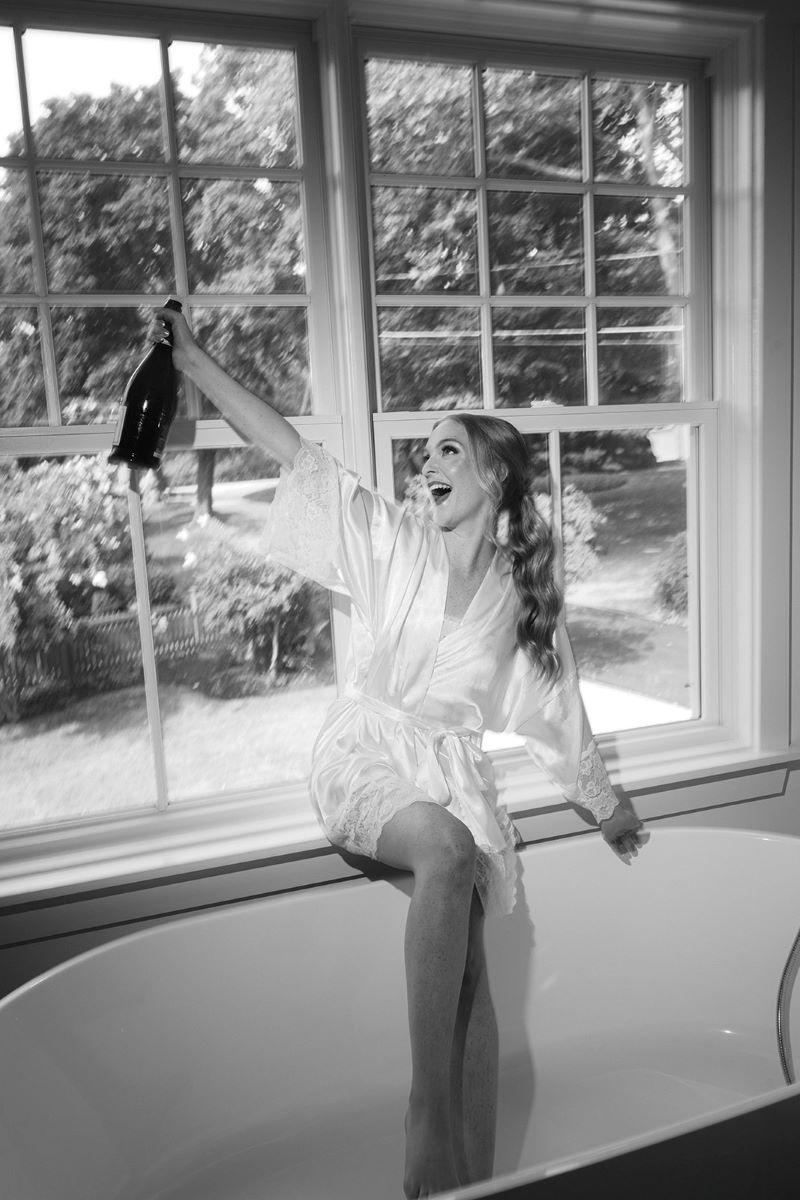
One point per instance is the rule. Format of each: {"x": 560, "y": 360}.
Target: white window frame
{"x": 737, "y": 758}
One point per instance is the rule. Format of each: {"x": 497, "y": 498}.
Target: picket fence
{"x": 99, "y": 647}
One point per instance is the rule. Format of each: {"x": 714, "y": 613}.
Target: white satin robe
{"x": 417, "y": 697}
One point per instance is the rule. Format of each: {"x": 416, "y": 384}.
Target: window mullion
{"x": 175, "y": 206}
{"x": 37, "y": 239}
{"x": 590, "y": 286}
{"x": 146, "y": 637}
{"x": 557, "y": 506}
{"x": 484, "y": 259}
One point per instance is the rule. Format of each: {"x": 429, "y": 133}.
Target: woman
{"x": 455, "y": 628}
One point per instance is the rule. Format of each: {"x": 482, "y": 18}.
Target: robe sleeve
{"x": 327, "y": 526}
{"x": 557, "y": 733}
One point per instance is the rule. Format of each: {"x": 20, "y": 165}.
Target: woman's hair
{"x": 502, "y": 463}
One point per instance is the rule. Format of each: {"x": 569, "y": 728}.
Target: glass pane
{"x": 235, "y": 104}
{"x": 426, "y": 240}
{"x": 419, "y": 117}
{"x": 638, "y": 245}
{"x": 97, "y": 350}
{"x": 243, "y": 236}
{"x": 74, "y": 739}
{"x": 10, "y": 110}
{"x": 117, "y": 238}
{"x": 16, "y": 258}
{"x": 638, "y": 131}
{"x": 536, "y": 243}
{"x": 533, "y": 124}
{"x": 409, "y": 484}
{"x": 94, "y": 96}
{"x": 640, "y": 355}
{"x": 265, "y": 349}
{"x": 539, "y": 356}
{"x": 625, "y": 533}
{"x": 22, "y": 395}
{"x": 429, "y": 358}
{"x": 245, "y": 664}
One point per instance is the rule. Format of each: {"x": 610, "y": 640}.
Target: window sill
{"x": 284, "y": 839}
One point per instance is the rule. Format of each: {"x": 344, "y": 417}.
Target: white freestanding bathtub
{"x": 260, "y": 1051}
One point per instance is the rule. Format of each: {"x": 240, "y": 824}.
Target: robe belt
{"x": 455, "y": 747}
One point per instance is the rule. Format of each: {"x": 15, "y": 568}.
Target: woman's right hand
{"x": 183, "y": 342}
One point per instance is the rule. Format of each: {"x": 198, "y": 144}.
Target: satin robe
{"x": 419, "y": 693}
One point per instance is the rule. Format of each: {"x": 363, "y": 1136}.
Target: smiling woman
{"x": 398, "y": 774}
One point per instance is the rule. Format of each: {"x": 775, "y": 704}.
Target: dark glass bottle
{"x": 148, "y": 406}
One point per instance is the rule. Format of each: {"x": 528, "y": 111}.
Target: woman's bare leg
{"x": 475, "y": 1062}
{"x": 440, "y": 851}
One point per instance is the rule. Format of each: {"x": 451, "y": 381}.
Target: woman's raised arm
{"x": 254, "y": 418}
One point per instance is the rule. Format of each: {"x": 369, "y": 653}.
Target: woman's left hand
{"x": 624, "y": 833}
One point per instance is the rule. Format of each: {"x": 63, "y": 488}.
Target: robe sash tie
{"x": 449, "y": 766}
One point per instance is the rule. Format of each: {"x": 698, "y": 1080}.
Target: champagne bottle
{"x": 148, "y": 406}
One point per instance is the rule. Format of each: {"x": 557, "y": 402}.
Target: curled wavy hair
{"x": 502, "y": 464}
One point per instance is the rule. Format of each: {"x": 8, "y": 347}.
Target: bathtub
{"x": 260, "y": 1051}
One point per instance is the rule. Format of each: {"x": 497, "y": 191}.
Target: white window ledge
{"x": 284, "y": 839}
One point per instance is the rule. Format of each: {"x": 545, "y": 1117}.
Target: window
{"x": 144, "y": 639}
{"x": 535, "y": 234}
{"x": 482, "y": 221}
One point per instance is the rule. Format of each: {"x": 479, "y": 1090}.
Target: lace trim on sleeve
{"x": 594, "y": 790}
{"x": 304, "y": 521}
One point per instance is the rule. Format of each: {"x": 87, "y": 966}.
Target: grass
{"x": 95, "y": 756}
{"x": 619, "y": 631}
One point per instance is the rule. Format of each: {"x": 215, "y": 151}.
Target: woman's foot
{"x": 430, "y": 1160}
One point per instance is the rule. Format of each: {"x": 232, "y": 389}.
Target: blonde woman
{"x": 456, "y": 628}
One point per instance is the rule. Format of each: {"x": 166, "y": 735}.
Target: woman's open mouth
{"x": 439, "y": 492}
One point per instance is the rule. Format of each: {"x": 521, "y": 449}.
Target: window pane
{"x": 429, "y": 358}
{"x": 16, "y": 258}
{"x": 625, "y": 533}
{"x": 425, "y": 240}
{"x": 539, "y": 356}
{"x": 74, "y": 739}
{"x": 93, "y": 96}
{"x": 265, "y": 349}
{"x": 536, "y": 243}
{"x": 245, "y": 665}
{"x": 117, "y": 238}
{"x": 419, "y": 117}
{"x": 97, "y": 350}
{"x": 533, "y": 124}
{"x": 638, "y": 131}
{"x": 243, "y": 236}
{"x": 638, "y": 245}
{"x": 640, "y": 355}
{"x": 235, "y": 104}
{"x": 22, "y": 395}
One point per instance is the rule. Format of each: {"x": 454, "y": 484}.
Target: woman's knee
{"x": 454, "y": 849}
{"x": 426, "y": 838}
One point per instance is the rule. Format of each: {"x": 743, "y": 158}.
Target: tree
{"x": 244, "y": 237}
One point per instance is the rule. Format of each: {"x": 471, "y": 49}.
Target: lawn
{"x": 95, "y": 756}
{"x": 620, "y": 633}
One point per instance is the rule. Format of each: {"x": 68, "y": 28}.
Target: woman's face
{"x": 449, "y": 471}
